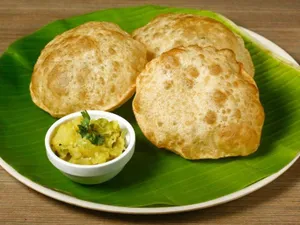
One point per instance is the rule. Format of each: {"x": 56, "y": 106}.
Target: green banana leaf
{"x": 153, "y": 176}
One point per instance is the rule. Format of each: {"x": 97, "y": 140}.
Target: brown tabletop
{"x": 277, "y": 203}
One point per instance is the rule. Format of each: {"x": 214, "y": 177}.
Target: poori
{"x": 199, "y": 103}
{"x": 92, "y": 66}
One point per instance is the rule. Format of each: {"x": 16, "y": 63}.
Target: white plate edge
{"x": 275, "y": 50}
{"x": 169, "y": 209}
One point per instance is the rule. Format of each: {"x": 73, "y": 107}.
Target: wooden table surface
{"x": 277, "y": 203}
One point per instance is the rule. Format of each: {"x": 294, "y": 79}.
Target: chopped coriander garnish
{"x": 86, "y": 130}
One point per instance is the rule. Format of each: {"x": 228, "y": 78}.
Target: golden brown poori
{"x": 93, "y": 66}
{"x": 199, "y": 103}
{"x": 172, "y": 30}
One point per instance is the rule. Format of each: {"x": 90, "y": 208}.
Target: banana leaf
{"x": 153, "y": 176}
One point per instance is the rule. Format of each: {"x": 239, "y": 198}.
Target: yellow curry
{"x": 88, "y": 142}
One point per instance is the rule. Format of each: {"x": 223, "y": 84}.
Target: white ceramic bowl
{"x": 93, "y": 174}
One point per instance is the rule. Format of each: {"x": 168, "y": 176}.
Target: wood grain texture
{"x": 277, "y": 203}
